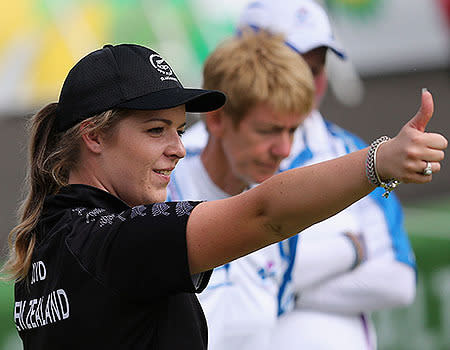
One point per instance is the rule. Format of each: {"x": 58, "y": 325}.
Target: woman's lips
{"x": 163, "y": 174}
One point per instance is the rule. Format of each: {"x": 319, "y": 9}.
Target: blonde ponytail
{"x": 51, "y": 157}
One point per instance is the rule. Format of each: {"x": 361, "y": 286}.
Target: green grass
{"x": 438, "y": 204}
{"x": 429, "y": 219}
{"x": 7, "y": 328}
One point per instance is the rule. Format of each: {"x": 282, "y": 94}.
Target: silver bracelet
{"x": 371, "y": 168}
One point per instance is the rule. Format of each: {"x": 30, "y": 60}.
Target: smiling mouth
{"x": 163, "y": 172}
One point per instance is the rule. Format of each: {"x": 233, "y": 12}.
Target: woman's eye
{"x": 156, "y": 131}
{"x": 181, "y": 132}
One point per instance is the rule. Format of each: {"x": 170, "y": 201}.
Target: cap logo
{"x": 162, "y": 67}
{"x": 302, "y": 14}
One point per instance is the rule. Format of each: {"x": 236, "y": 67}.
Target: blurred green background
{"x": 426, "y": 323}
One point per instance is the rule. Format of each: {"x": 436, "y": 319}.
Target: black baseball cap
{"x": 126, "y": 76}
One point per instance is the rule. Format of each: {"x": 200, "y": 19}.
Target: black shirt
{"x": 107, "y": 276}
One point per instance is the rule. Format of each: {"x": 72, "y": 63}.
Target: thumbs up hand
{"x": 407, "y": 155}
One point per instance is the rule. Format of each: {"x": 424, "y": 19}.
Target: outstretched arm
{"x": 223, "y": 230}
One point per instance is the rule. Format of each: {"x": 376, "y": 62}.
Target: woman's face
{"x": 141, "y": 152}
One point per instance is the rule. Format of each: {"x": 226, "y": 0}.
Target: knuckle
{"x": 409, "y": 167}
{"x": 416, "y": 138}
{"x": 412, "y": 153}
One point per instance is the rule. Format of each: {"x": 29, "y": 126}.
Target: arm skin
{"x": 223, "y": 230}
{"x": 377, "y": 284}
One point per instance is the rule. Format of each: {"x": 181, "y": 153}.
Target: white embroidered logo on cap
{"x": 302, "y": 15}
{"x": 162, "y": 67}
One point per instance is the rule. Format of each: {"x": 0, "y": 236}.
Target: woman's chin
{"x": 158, "y": 196}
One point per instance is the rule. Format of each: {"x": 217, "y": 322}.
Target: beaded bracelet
{"x": 371, "y": 168}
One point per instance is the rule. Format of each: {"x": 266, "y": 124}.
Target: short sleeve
{"x": 140, "y": 252}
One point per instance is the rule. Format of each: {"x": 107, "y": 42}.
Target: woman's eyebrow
{"x": 167, "y": 121}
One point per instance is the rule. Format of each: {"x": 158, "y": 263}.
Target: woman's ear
{"x": 92, "y": 139}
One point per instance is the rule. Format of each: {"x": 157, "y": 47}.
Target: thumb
{"x": 423, "y": 116}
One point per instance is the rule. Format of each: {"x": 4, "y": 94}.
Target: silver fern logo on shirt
{"x": 162, "y": 67}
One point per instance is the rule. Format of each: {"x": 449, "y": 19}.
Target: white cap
{"x": 304, "y": 23}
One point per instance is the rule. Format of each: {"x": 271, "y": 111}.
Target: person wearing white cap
{"x": 333, "y": 300}
{"x": 332, "y": 307}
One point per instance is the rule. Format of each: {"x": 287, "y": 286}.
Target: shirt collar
{"x": 84, "y": 196}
